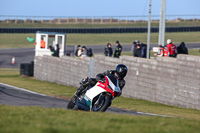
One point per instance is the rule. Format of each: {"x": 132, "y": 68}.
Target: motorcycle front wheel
{"x": 103, "y": 105}
{"x": 72, "y": 103}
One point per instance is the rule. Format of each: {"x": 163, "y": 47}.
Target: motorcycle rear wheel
{"x": 72, "y": 103}
{"x": 102, "y": 107}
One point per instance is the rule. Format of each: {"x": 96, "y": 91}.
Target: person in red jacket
{"x": 171, "y": 49}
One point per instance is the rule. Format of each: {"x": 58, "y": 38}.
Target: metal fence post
{"x": 25, "y": 19}
{"x": 76, "y": 20}
{"x": 33, "y": 20}
{"x": 101, "y": 20}
{"x": 91, "y": 67}
{"x": 84, "y": 20}
{"x": 59, "y": 20}
{"x": 93, "y": 20}
{"x": 16, "y": 20}
{"x": 67, "y": 19}
{"x": 41, "y": 19}
{"x": 50, "y": 20}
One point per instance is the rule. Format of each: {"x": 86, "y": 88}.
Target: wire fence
{"x": 95, "y": 19}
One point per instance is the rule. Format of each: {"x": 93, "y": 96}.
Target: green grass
{"x": 19, "y": 40}
{"x": 15, "y": 119}
{"x": 43, "y": 120}
{"x": 11, "y": 76}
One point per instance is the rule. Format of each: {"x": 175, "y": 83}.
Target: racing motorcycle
{"x": 97, "y": 98}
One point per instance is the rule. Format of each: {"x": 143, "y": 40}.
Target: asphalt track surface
{"x": 26, "y": 55}
{"x": 10, "y": 95}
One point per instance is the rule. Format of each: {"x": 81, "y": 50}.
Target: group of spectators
{"x": 83, "y": 51}
{"x": 108, "y": 51}
{"x": 170, "y": 50}
{"x": 138, "y": 50}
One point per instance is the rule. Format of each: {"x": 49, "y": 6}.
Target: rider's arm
{"x": 122, "y": 83}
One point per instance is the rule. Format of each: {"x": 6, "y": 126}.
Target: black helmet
{"x": 121, "y": 71}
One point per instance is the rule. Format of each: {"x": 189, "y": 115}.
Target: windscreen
{"x": 113, "y": 79}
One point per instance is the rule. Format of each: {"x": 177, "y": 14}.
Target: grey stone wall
{"x": 171, "y": 81}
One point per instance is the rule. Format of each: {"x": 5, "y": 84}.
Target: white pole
{"x": 149, "y": 30}
{"x": 161, "y": 37}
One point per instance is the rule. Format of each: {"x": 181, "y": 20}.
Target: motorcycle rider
{"x": 119, "y": 73}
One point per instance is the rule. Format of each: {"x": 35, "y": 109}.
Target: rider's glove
{"x": 100, "y": 78}
{"x": 109, "y": 72}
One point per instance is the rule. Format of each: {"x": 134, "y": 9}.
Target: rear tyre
{"x": 103, "y": 105}
{"x": 72, "y": 103}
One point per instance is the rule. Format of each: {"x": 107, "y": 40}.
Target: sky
{"x": 95, "y": 7}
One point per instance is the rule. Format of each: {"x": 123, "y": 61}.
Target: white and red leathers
{"x": 171, "y": 49}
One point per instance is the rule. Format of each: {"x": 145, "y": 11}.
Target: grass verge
{"x": 19, "y": 40}
{"x": 44, "y": 120}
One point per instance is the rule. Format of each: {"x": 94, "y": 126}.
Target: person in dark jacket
{"x": 108, "y": 50}
{"x": 143, "y": 50}
{"x": 137, "y": 49}
{"x": 53, "y": 52}
{"x": 118, "y": 50}
{"x": 57, "y": 50}
{"x": 84, "y": 51}
{"x": 133, "y": 47}
{"x": 78, "y": 51}
{"x": 182, "y": 49}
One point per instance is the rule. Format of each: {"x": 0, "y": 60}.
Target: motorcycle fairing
{"x": 90, "y": 95}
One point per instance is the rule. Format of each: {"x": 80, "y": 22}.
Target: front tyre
{"x": 72, "y": 103}
{"x": 103, "y": 104}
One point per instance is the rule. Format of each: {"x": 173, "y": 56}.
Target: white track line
{"x": 17, "y": 88}
{"x": 142, "y": 113}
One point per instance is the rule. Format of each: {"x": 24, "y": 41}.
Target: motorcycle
{"x": 97, "y": 98}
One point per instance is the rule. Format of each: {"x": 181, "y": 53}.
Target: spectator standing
{"x": 182, "y": 49}
{"x": 118, "y": 50}
{"x": 171, "y": 48}
{"x": 83, "y": 51}
{"x": 89, "y": 52}
{"x": 137, "y": 49}
{"x": 133, "y": 47}
{"x": 143, "y": 50}
{"x": 78, "y": 51}
{"x": 57, "y": 50}
{"x": 108, "y": 50}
